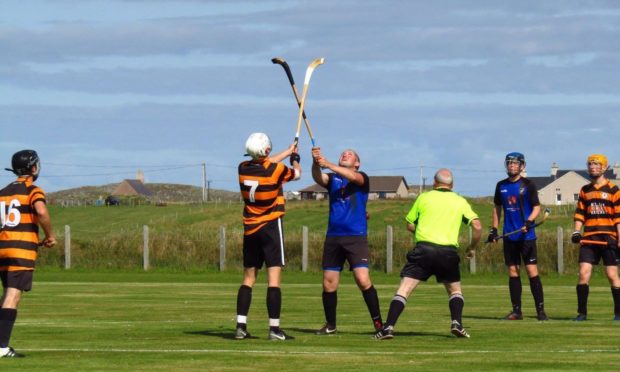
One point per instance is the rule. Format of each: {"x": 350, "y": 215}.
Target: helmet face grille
{"x": 23, "y": 161}
{"x": 515, "y": 156}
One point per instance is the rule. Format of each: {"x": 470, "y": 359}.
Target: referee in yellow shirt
{"x": 435, "y": 219}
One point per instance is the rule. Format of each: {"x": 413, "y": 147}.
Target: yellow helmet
{"x": 598, "y": 158}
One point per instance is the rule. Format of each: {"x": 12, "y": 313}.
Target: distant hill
{"x": 162, "y": 192}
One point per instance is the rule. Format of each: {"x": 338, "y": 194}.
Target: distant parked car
{"x": 112, "y": 200}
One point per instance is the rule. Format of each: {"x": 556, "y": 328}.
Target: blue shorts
{"x": 338, "y": 249}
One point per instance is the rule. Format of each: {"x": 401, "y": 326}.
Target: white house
{"x": 562, "y": 186}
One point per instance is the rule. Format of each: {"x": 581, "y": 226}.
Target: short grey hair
{"x": 444, "y": 177}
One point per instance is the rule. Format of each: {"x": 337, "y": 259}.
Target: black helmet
{"x": 23, "y": 161}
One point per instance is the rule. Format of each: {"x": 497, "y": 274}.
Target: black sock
{"x": 7, "y": 320}
{"x": 582, "y": 298}
{"x": 615, "y": 293}
{"x": 372, "y": 302}
{"x": 514, "y": 285}
{"x": 396, "y": 308}
{"x": 330, "y": 302}
{"x": 274, "y": 304}
{"x": 456, "y": 302}
{"x": 537, "y": 292}
{"x": 244, "y": 299}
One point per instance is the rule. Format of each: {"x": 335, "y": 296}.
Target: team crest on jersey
{"x": 512, "y": 200}
{"x": 604, "y": 195}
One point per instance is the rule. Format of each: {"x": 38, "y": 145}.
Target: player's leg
{"x": 512, "y": 260}
{"x": 397, "y": 306}
{"x": 8, "y": 311}
{"x": 252, "y": 261}
{"x": 448, "y": 272}
{"x": 244, "y": 299}
{"x": 611, "y": 260}
{"x": 358, "y": 255}
{"x": 583, "y": 290}
{"x": 274, "y": 303}
{"x": 530, "y": 257}
{"x": 588, "y": 256}
{"x": 371, "y": 298}
{"x": 331, "y": 280}
{"x": 456, "y": 302}
{"x": 332, "y": 263}
{"x": 273, "y": 246}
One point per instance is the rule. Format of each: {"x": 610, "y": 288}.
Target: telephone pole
{"x": 205, "y": 193}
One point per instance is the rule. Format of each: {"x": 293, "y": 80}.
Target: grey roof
{"x": 139, "y": 187}
{"x": 542, "y": 182}
{"x": 377, "y": 184}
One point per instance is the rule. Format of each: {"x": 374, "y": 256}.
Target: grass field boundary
{"x": 315, "y": 352}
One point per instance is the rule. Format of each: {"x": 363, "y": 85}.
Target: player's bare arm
{"x": 351, "y": 174}
{"x": 476, "y": 227}
{"x": 46, "y": 223}
{"x": 317, "y": 175}
{"x": 284, "y": 154}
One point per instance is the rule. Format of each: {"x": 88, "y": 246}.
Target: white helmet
{"x": 257, "y": 145}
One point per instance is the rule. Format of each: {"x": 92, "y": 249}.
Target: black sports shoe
{"x": 580, "y": 317}
{"x": 279, "y": 335}
{"x": 11, "y": 353}
{"x": 241, "y": 334}
{"x": 457, "y": 329}
{"x": 514, "y": 316}
{"x": 326, "y": 330}
{"x": 542, "y": 316}
{"x": 386, "y": 333}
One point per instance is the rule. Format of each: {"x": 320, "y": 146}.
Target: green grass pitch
{"x": 167, "y": 321}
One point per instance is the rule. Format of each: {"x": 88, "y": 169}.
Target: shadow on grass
{"x": 371, "y": 333}
{"x": 224, "y": 334}
{"x": 501, "y": 319}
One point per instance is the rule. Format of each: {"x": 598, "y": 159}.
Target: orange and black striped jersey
{"x": 598, "y": 208}
{"x": 19, "y": 228}
{"x": 261, "y": 189}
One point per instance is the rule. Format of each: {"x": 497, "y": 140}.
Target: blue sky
{"x": 103, "y": 88}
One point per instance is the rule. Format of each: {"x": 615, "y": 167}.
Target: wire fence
{"x": 221, "y": 249}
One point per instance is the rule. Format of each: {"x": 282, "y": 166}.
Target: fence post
{"x": 560, "y": 250}
{"x": 389, "y": 237}
{"x": 472, "y": 261}
{"x": 222, "y": 248}
{"x": 304, "y": 248}
{"x": 67, "y": 247}
{"x": 145, "y": 254}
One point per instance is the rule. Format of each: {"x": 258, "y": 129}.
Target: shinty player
{"x": 261, "y": 180}
{"x": 598, "y": 213}
{"x": 517, "y": 197}
{"x": 347, "y": 233}
{"x": 22, "y": 211}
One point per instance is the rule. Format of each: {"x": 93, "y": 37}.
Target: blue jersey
{"x": 347, "y": 206}
{"x": 518, "y": 199}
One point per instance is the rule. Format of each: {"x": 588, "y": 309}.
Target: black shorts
{"x": 264, "y": 246}
{"x": 337, "y": 249}
{"x": 514, "y": 251}
{"x": 592, "y": 253}
{"x": 427, "y": 259}
{"x": 20, "y": 279}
